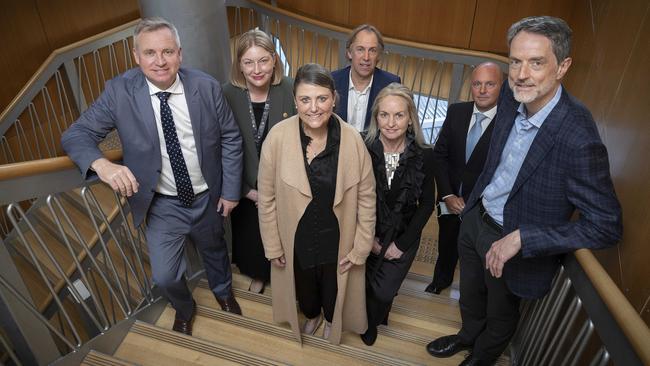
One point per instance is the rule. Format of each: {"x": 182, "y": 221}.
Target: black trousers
{"x": 316, "y": 289}
{"x": 449, "y": 227}
{"x": 489, "y": 311}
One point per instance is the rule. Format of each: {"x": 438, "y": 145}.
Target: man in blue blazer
{"x": 182, "y": 161}
{"x": 546, "y": 161}
{"x": 357, "y": 85}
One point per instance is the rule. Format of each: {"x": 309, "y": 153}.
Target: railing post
{"x": 75, "y": 86}
{"x": 456, "y": 83}
{"x": 32, "y": 340}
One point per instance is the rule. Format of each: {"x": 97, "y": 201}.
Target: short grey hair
{"x": 153, "y": 24}
{"x": 555, "y": 29}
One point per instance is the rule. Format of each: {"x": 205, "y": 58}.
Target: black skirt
{"x": 247, "y": 249}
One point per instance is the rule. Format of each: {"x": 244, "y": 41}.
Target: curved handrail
{"x": 31, "y": 87}
{"x": 626, "y": 316}
{"x": 42, "y": 166}
{"x": 411, "y": 44}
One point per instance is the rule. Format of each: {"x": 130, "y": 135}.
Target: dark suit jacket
{"x": 566, "y": 169}
{"x": 341, "y": 78}
{"x": 282, "y": 107}
{"x": 125, "y": 105}
{"x": 449, "y": 152}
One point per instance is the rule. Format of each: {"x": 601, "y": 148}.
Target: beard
{"x": 531, "y": 94}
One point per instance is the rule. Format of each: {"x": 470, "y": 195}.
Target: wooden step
{"x": 146, "y": 344}
{"x": 391, "y": 342}
{"x": 96, "y": 358}
{"x": 275, "y": 341}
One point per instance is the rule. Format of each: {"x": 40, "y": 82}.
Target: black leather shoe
{"x": 229, "y": 304}
{"x": 433, "y": 289}
{"x": 446, "y": 346}
{"x": 370, "y": 336}
{"x": 471, "y": 361}
{"x": 184, "y": 326}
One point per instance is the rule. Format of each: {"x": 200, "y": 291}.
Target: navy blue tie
{"x": 179, "y": 168}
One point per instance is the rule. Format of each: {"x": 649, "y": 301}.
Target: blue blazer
{"x": 125, "y": 105}
{"x": 565, "y": 170}
{"x": 341, "y": 78}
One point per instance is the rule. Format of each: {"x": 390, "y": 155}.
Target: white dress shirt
{"x": 181, "y": 114}
{"x": 358, "y": 104}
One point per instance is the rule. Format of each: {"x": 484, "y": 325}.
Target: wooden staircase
{"x": 221, "y": 338}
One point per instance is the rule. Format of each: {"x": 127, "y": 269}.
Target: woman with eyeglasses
{"x": 259, "y": 97}
{"x": 317, "y": 212}
{"x": 403, "y": 167}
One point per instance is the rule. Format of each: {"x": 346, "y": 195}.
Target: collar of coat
{"x": 349, "y": 170}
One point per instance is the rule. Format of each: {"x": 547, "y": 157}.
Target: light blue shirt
{"x": 521, "y": 136}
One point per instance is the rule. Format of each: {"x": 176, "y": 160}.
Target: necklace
{"x": 258, "y": 131}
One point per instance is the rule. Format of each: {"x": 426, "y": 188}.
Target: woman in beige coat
{"x": 293, "y": 201}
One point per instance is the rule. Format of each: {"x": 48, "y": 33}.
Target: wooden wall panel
{"x": 494, "y": 17}
{"x": 26, "y": 46}
{"x": 441, "y": 22}
{"x": 35, "y": 28}
{"x": 332, "y": 11}
{"x": 609, "y": 75}
{"x": 67, "y": 21}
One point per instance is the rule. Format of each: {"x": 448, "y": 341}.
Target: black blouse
{"x": 403, "y": 209}
{"x": 317, "y": 234}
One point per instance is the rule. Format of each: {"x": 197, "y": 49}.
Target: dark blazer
{"x": 125, "y": 105}
{"x": 341, "y": 78}
{"x": 566, "y": 169}
{"x": 449, "y": 152}
{"x": 282, "y": 107}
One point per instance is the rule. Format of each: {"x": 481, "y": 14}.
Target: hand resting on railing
{"x": 119, "y": 177}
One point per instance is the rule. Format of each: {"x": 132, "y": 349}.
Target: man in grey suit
{"x": 182, "y": 161}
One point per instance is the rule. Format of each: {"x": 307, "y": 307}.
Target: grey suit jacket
{"x": 125, "y": 105}
{"x": 282, "y": 107}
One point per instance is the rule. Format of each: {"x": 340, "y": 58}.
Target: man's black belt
{"x": 487, "y": 219}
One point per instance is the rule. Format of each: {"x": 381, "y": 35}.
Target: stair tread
{"x": 390, "y": 342}
{"x": 148, "y": 344}
{"x": 266, "y": 338}
{"x": 96, "y": 358}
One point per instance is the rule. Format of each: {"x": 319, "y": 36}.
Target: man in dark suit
{"x": 182, "y": 161}
{"x": 545, "y": 162}
{"x": 357, "y": 85}
{"x": 460, "y": 154}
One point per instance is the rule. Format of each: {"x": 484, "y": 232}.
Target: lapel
{"x": 377, "y": 82}
{"x": 348, "y": 173}
{"x": 143, "y": 103}
{"x": 293, "y": 169}
{"x": 191, "y": 91}
{"x": 343, "y": 91}
{"x": 543, "y": 142}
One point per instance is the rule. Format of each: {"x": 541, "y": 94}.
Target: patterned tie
{"x": 179, "y": 168}
{"x": 474, "y": 135}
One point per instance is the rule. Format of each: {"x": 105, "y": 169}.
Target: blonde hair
{"x": 254, "y": 37}
{"x": 397, "y": 90}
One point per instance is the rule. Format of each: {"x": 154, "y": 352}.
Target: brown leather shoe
{"x": 184, "y": 326}
{"x": 229, "y": 304}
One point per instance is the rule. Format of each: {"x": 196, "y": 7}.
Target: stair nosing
{"x": 314, "y": 341}
{"x": 102, "y": 359}
{"x": 200, "y": 345}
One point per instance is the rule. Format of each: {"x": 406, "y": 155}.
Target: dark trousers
{"x": 443, "y": 274}
{"x": 489, "y": 310}
{"x": 169, "y": 225}
{"x": 316, "y": 289}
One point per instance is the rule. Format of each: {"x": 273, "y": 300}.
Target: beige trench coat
{"x": 284, "y": 194}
